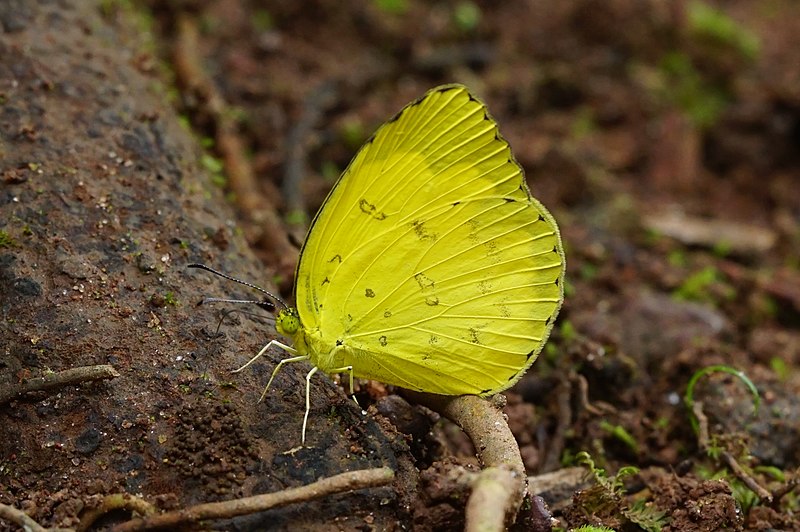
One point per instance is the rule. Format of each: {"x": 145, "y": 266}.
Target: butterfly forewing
{"x": 430, "y": 264}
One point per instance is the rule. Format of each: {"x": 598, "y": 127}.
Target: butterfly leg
{"x": 277, "y": 369}
{"x": 347, "y": 369}
{"x": 286, "y": 348}
{"x": 308, "y": 401}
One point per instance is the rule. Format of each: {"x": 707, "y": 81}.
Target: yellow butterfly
{"x": 429, "y": 266}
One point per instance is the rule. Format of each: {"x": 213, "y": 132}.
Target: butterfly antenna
{"x": 263, "y": 304}
{"x": 266, "y": 304}
{"x": 228, "y": 312}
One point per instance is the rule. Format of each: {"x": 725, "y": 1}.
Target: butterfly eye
{"x": 287, "y": 322}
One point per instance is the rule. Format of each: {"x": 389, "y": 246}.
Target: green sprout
{"x": 619, "y": 432}
{"x": 688, "y": 398}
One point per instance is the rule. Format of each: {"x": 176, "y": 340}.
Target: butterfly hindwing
{"x": 430, "y": 265}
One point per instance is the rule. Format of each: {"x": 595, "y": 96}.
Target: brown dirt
{"x": 627, "y": 116}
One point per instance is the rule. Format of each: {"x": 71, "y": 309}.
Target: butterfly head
{"x": 287, "y": 322}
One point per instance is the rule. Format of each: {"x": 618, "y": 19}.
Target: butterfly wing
{"x": 430, "y": 265}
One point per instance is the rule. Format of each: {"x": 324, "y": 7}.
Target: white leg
{"x": 308, "y": 403}
{"x": 286, "y": 348}
{"x": 347, "y": 369}
{"x": 277, "y": 369}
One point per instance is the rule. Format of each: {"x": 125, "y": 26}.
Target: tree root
{"x": 352, "y": 480}
{"x": 498, "y": 491}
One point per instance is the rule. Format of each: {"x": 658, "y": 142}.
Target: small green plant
{"x": 215, "y": 167}
{"x": 568, "y": 332}
{"x": 619, "y": 433}
{"x": 698, "y": 286}
{"x": 779, "y": 367}
{"x": 646, "y": 516}
{"x": 6, "y": 240}
{"x": 686, "y": 87}
{"x": 613, "y": 485}
{"x": 711, "y": 24}
{"x": 170, "y": 299}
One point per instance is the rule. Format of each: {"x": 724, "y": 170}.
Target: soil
{"x": 663, "y": 136}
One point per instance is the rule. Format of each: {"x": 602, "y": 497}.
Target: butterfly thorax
{"x": 323, "y": 354}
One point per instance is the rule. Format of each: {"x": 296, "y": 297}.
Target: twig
{"x": 558, "y": 487}
{"x": 353, "y": 480}
{"x": 703, "y": 438}
{"x": 749, "y": 481}
{"x": 555, "y": 447}
{"x": 256, "y": 207}
{"x": 117, "y": 501}
{"x": 499, "y": 490}
{"x": 58, "y": 380}
{"x": 729, "y": 460}
{"x": 784, "y": 490}
{"x": 20, "y": 518}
